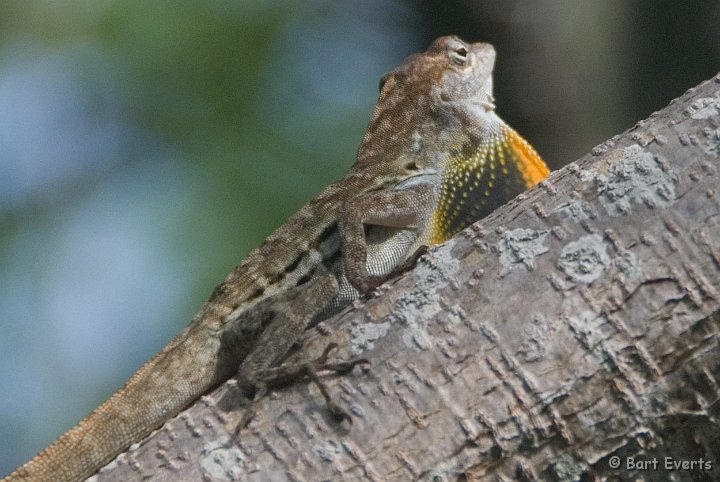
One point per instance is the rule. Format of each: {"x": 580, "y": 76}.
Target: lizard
{"x": 435, "y": 158}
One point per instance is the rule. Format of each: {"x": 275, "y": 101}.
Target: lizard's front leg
{"x": 408, "y": 208}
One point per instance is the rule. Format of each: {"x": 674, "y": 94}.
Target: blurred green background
{"x": 146, "y": 147}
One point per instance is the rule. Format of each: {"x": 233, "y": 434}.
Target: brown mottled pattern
{"x": 435, "y": 157}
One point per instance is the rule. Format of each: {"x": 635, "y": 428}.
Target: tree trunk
{"x": 573, "y": 329}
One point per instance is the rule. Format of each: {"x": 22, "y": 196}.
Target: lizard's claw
{"x": 321, "y": 364}
{"x": 338, "y": 413}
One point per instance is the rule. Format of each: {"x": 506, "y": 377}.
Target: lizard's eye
{"x": 459, "y": 56}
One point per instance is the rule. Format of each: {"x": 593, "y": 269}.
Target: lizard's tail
{"x": 157, "y": 391}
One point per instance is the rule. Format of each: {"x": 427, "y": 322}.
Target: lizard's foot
{"x": 250, "y": 390}
{"x": 341, "y": 368}
{"x": 286, "y": 374}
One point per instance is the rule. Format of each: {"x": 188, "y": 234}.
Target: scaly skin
{"x": 434, "y": 159}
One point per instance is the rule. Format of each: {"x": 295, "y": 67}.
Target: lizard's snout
{"x": 485, "y": 53}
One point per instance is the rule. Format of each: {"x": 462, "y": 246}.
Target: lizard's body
{"x": 435, "y": 158}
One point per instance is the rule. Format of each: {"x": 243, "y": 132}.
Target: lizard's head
{"x": 428, "y": 99}
{"x": 449, "y": 71}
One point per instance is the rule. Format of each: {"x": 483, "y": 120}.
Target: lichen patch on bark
{"x": 584, "y": 260}
{"x": 638, "y": 177}
{"x": 521, "y": 246}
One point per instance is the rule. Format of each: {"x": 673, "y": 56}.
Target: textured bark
{"x": 577, "y": 323}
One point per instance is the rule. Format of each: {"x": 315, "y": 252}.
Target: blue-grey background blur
{"x": 146, "y": 147}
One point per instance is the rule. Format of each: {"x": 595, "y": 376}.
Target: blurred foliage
{"x": 146, "y": 147}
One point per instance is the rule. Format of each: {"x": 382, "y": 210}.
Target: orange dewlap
{"x": 480, "y": 177}
{"x": 529, "y": 163}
